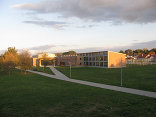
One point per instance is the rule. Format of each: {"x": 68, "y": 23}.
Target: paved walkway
{"x": 58, "y": 73}
{"x": 60, "y": 76}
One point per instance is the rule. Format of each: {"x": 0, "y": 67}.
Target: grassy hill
{"x": 33, "y": 95}
{"x": 134, "y": 76}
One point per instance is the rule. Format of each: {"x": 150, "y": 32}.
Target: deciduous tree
{"x": 45, "y": 60}
{"x": 69, "y": 53}
{"x": 10, "y": 59}
{"x": 1, "y": 63}
{"x": 25, "y": 60}
{"x": 129, "y": 52}
{"x": 121, "y": 51}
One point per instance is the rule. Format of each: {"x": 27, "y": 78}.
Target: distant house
{"x": 141, "y": 56}
{"x": 153, "y": 58}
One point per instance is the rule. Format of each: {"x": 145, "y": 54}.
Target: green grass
{"x": 134, "y": 76}
{"x": 33, "y": 95}
{"x": 43, "y": 69}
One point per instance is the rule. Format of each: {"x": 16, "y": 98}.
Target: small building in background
{"x": 153, "y": 58}
{"x": 38, "y": 59}
{"x": 142, "y": 59}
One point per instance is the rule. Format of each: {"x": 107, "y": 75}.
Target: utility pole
{"x": 121, "y": 74}
{"x": 70, "y": 68}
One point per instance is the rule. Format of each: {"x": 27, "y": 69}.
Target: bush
{"x": 34, "y": 69}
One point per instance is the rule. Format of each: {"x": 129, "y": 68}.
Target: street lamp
{"x": 121, "y": 74}
{"x": 70, "y": 68}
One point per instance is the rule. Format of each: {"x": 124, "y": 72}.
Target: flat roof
{"x": 99, "y": 52}
{"x": 92, "y": 52}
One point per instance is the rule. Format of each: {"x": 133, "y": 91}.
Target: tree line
{"x": 131, "y": 52}
{"x": 12, "y": 59}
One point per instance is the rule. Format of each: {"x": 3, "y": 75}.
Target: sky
{"x": 79, "y": 25}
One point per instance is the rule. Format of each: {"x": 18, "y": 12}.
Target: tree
{"x": 69, "y": 53}
{"x": 45, "y": 61}
{"x": 10, "y": 59}
{"x": 153, "y": 50}
{"x": 121, "y": 51}
{"x": 1, "y": 63}
{"x": 58, "y": 54}
{"x": 129, "y": 52}
{"x": 25, "y": 60}
{"x": 12, "y": 50}
{"x": 145, "y": 51}
{"x": 138, "y": 51}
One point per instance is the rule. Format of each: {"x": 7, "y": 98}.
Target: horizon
{"x": 83, "y": 26}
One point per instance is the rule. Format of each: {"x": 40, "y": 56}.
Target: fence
{"x": 140, "y": 62}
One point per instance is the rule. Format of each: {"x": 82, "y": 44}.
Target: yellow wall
{"x": 37, "y": 62}
{"x": 34, "y": 61}
{"x": 116, "y": 59}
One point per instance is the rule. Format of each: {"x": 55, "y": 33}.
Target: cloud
{"x": 148, "y": 44}
{"x": 52, "y": 24}
{"x": 64, "y": 48}
{"x": 51, "y": 48}
{"x": 133, "y": 46}
{"x": 136, "y": 11}
{"x": 43, "y": 47}
{"x": 79, "y": 49}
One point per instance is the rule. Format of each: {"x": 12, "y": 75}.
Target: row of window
{"x": 97, "y": 58}
{"x": 94, "y": 53}
{"x": 98, "y": 64}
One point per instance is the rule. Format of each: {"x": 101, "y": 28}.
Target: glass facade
{"x": 97, "y": 59}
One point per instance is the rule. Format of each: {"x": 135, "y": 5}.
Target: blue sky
{"x": 80, "y": 25}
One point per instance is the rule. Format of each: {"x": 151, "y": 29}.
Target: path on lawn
{"x": 60, "y": 76}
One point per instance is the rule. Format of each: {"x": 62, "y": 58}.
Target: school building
{"x": 105, "y": 59}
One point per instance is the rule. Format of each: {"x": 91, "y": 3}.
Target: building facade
{"x": 106, "y": 59}
{"x": 66, "y": 60}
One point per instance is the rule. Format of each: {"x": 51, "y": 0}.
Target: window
{"x": 84, "y": 58}
{"x": 106, "y": 53}
{"x": 90, "y": 58}
{"x": 90, "y": 64}
{"x": 101, "y": 64}
{"x": 101, "y": 58}
{"x": 105, "y": 58}
{"x": 97, "y": 63}
{"x": 105, "y": 64}
{"x": 93, "y": 64}
{"x": 97, "y": 58}
{"x": 93, "y": 58}
{"x": 86, "y": 63}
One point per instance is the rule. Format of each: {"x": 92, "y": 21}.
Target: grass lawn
{"x": 42, "y": 69}
{"x": 134, "y": 76}
{"x": 33, "y": 95}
